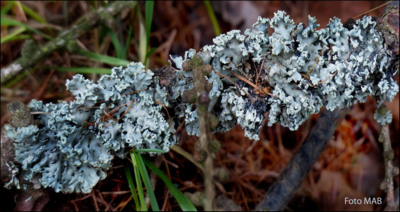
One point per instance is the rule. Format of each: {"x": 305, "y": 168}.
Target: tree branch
{"x": 390, "y": 170}
{"x": 280, "y": 193}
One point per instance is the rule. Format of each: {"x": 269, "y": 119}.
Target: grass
{"x": 21, "y": 28}
{"x": 138, "y": 180}
{"x": 140, "y": 174}
{"x": 119, "y": 50}
{"x": 182, "y": 200}
{"x": 213, "y": 19}
{"x": 132, "y": 186}
{"x": 82, "y": 70}
{"x": 115, "y": 61}
{"x": 116, "y": 54}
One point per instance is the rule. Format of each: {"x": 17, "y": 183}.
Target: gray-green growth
{"x": 285, "y": 76}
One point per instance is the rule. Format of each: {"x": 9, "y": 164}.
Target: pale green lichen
{"x": 303, "y": 68}
{"x": 72, "y": 146}
{"x": 297, "y": 70}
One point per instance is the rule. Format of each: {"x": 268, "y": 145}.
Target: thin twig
{"x": 251, "y": 98}
{"x": 388, "y": 156}
{"x": 165, "y": 108}
{"x": 188, "y": 156}
{"x": 372, "y": 9}
{"x": 315, "y": 62}
{"x": 94, "y": 200}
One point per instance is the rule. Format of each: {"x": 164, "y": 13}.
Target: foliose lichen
{"x": 283, "y": 77}
{"x": 72, "y": 145}
{"x": 292, "y": 72}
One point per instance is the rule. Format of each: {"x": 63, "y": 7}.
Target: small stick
{"x": 165, "y": 108}
{"x": 335, "y": 71}
{"x": 252, "y": 84}
{"x": 372, "y": 9}
{"x": 116, "y": 109}
{"x": 180, "y": 127}
{"x": 94, "y": 200}
{"x": 245, "y": 80}
{"x": 126, "y": 110}
{"x": 315, "y": 62}
{"x": 109, "y": 115}
{"x": 328, "y": 78}
{"x": 259, "y": 73}
{"x": 251, "y": 99}
{"x": 88, "y": 124}
{"x": 102, "y": 118}
{"x": 349, "y": 54}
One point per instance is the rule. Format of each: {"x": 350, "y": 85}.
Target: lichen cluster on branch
{"x": 283, "y": 76}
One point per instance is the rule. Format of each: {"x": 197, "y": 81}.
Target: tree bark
{"x": 280, "y": 193}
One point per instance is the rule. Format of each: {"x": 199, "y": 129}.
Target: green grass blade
{"x": 182, "y": 200}
{"x": 150, "y": 52}
{"x": 32, "y": 14}
{"x": 117, "y": 45}
{"x": 128, "y": 41}
{"x": 143, "y": 206}
{"x": 188, "y": 156}
{"x": 12, "y": 35}
{"x": 146, "y": 181}
{"x": 214, "y": 20}
{"x": 82, "y": 70}
{"x": 103, "y": 31}
{"x": 142, "y": 41}
{"x": 6, "y": 8}
{"x": 16, "y": 37}
{"x": 103, "y": 58}
{"x": 12, "y": 22}
{"x": 132, "y": 186}
{"x": 149, "y": 9}
{"x": 19, "y": 77}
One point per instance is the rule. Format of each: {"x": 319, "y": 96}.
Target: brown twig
{"x": 388, "y": 156}
{"x": 251, "y": 98}
{"x": 165, "y": 108}
{"x": 315, "y": 62}
{"x": 372, "y": 9}
{"x": 290, "y": 180}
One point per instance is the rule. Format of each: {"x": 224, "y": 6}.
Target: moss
{"x": 20, "y": 115}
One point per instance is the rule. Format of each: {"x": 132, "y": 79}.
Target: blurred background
{"x": 351, "y": 165}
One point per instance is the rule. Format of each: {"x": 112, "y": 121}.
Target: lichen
{"x": 283, "y": 77}
{"x": 72, "y": 145}
{"x": 383, "y": 116}
{"x": 299, "y": 68}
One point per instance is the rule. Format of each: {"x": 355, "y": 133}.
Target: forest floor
{"x": 351, "y": 165}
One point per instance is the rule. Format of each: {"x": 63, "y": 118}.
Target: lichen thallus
{"x": 109, "y": 114}
{"x": 330, "y": 60}
{"x": 258, "y": 89}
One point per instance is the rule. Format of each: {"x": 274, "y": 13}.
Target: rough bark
{"x": 280, "y": 193}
